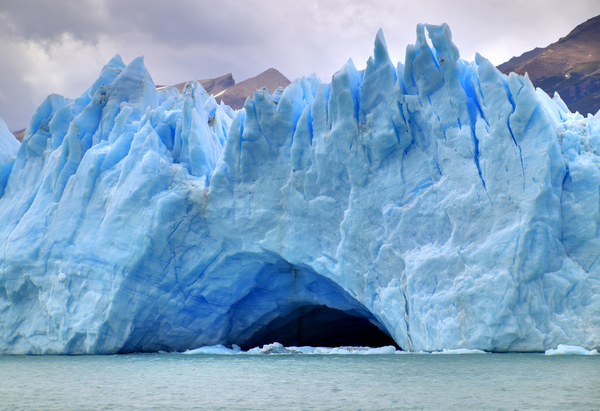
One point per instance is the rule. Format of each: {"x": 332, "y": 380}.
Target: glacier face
{"x": 450, "y": 205}
{"x": 9, "y": 146}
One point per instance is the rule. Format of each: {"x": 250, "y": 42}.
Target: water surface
{"x": 300, "y": 382}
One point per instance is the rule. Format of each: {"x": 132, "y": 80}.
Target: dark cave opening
{"x": 320, "y": 326}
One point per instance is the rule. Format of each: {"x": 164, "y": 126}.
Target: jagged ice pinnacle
{"x": 449, "y": 205}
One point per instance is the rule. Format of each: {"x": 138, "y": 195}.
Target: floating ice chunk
{"x": 459, "y": 351}
{"x": 570, "y": 350}
{"x": 322, "y": 350}
{"x": 277, "y": 348}
{"x": 274, "y": 348}
{"x": 215, "y": 349}
{"x": 302, "y": 350}
{"x": 341, "y": 350}
{"x": 390, "y": 349}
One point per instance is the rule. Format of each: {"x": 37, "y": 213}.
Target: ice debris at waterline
{"x": 570, "y": 350}
{"x": 277, "y": 348}
{"x": 448, "y": 205}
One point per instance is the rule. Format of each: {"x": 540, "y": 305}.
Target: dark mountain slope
{"x": 571, "y": 67}
{"x": 236, "y": 95}
{"x": 212, "y": 86}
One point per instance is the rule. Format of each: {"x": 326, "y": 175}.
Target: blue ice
{"x": 452, "y": 206}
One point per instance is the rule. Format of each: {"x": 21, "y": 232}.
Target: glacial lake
{"x": 301, "y": 382}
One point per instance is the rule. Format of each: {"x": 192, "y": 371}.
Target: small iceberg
{"x": 570, "y": 350}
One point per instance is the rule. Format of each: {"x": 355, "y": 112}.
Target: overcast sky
{"x": 60, "y": 46}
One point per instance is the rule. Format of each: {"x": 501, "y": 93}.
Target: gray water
{"x": 300, "y": 382}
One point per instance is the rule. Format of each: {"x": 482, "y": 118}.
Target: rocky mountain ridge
{"x": 571, "y": 67}
{"x": 234, "y": 94}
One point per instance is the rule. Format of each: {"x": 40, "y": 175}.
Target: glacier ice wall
{"x": 450, "y": 205}
{"x": 9, "y": 146}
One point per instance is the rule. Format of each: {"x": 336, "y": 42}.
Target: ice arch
{"x": 258, "y": 300}
{"x": 296, "y": 306}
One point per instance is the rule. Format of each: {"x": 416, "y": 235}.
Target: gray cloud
{"x": 61, "y": 46}
{"x": 44, "y": 21}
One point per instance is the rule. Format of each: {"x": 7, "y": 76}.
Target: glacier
{"x": 446, "y": 204}
{"x": 9, "y": 146}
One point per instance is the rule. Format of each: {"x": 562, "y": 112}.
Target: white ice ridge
{"x": 450, "y": 205}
